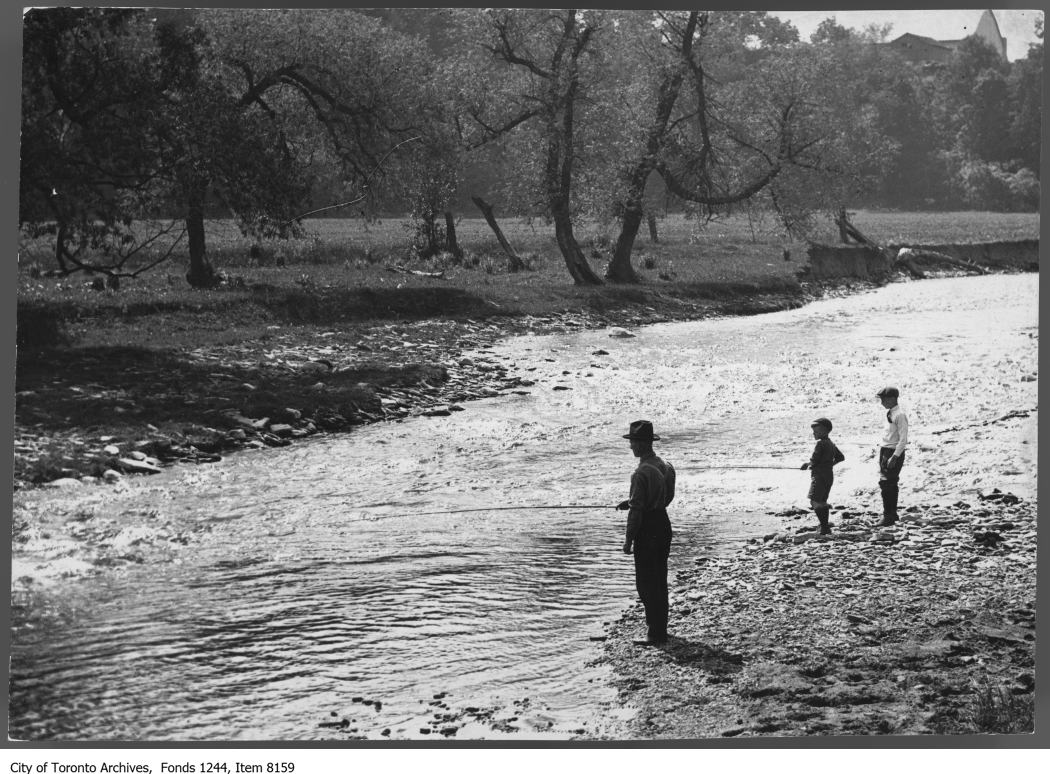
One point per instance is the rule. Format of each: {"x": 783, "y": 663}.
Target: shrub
{"x": 997, "y": 710}
{"x": 986, "y": 185}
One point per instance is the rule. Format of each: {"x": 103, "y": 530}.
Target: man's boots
{"x": 823, "y": 518}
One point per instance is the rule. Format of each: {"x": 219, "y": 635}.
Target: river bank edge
{"x": 132, "y": 413}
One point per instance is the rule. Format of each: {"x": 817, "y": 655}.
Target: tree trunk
{"x": 620, "y": 268}
{"x": 60, "y": 247}
{"x": 575, "y": 261}
{"x": 516, "y": 264}
{"x": 841, "y": 220}
{"x": 653, "y": 237}
{"x": 848, "y": 231}
{"x": 451, "y": 244}
{"x": 201, "y": 273}
{"x": 561, "y": 106}
{"x": 906, "y": 256}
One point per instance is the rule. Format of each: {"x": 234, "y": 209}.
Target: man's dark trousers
{"x": 889, "y": 476}
{"x": 652, "y": 546}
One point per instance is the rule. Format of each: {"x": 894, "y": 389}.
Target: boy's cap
{"x": 889, "y": 392}
{"x": 821, "y": 421}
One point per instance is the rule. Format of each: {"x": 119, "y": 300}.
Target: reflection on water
{"x": 320, "y": 581}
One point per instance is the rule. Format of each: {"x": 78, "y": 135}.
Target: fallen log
{"x": 906, "y": 256}
{"x": 416, "y": 272}
{"x": 516, "y": 263}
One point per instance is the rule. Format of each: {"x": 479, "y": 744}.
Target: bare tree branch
{"x": 364, "y": 185}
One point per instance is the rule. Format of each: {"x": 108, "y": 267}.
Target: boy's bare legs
{"x": 823, "y": 511}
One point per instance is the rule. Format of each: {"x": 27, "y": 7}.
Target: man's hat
{"x": 889, "y": 392}
{"x": 821, "y": 421}
{"x": 642, "y": 430}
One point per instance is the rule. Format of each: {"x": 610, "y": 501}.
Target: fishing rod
{"x": 517, "y": 508}
{"x": 493, "y": 508}
{"x": 734, "y": 467}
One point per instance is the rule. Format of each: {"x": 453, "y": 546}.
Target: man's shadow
{"x": 690, "y": 653}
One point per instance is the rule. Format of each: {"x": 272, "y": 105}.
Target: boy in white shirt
{"x": 891, "y": 453}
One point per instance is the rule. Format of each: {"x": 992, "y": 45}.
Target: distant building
{"x": 916, "y": 48}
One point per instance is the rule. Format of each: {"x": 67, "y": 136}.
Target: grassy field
{"x": 351, "y": 270}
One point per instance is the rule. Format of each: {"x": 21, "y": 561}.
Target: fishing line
{"x": 517, "y": 508}
{"x": 491, "y": 508}
{"x": 735, "y": 467}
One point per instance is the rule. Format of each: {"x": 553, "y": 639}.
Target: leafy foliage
{"x": 137, "y": 124}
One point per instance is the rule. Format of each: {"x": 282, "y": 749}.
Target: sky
{"x": 1017, "y": 26}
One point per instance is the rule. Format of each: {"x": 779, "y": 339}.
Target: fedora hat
{"x": 888, "y": 392}
{"x": 642, "y": 430}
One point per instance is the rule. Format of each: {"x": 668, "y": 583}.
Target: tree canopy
{"x": 134, "y": 116}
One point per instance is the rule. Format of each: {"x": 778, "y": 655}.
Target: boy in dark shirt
{"x": 825, "y": 456}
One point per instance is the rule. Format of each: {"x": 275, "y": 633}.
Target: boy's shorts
{"x": 820, "y": 488}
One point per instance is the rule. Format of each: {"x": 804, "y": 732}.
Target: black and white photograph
{"x": 448, "y": 377}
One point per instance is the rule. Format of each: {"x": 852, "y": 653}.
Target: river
{"x": 322, "y": 597}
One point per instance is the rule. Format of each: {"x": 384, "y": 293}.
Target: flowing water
{"x": 324, "y": 578}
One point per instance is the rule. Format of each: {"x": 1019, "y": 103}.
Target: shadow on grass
{"x": 40, "y": 322}
{"x": 367, "y": 303}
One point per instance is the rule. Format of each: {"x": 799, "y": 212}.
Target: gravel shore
{"x": 926, "y": 627}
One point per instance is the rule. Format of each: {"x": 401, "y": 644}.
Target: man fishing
{"x": 649, "y": 528}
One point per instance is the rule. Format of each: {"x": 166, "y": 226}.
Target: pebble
{"x": 137, "y": 466}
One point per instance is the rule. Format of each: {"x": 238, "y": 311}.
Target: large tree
{"x": 730, "y": 108}
{"x": 333, "y": 83}
{"x": 671, "y": 123}
{"x": 539, "y": 70}
{"x": 88, "y": 86}
{"x": 124, "y": 120}
{"x": 1025, "y": 130}
{"x": 204, "y": 111}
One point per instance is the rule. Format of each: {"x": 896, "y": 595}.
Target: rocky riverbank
{"x": 927, "y": 627}
{"x": 85, "y": 417}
